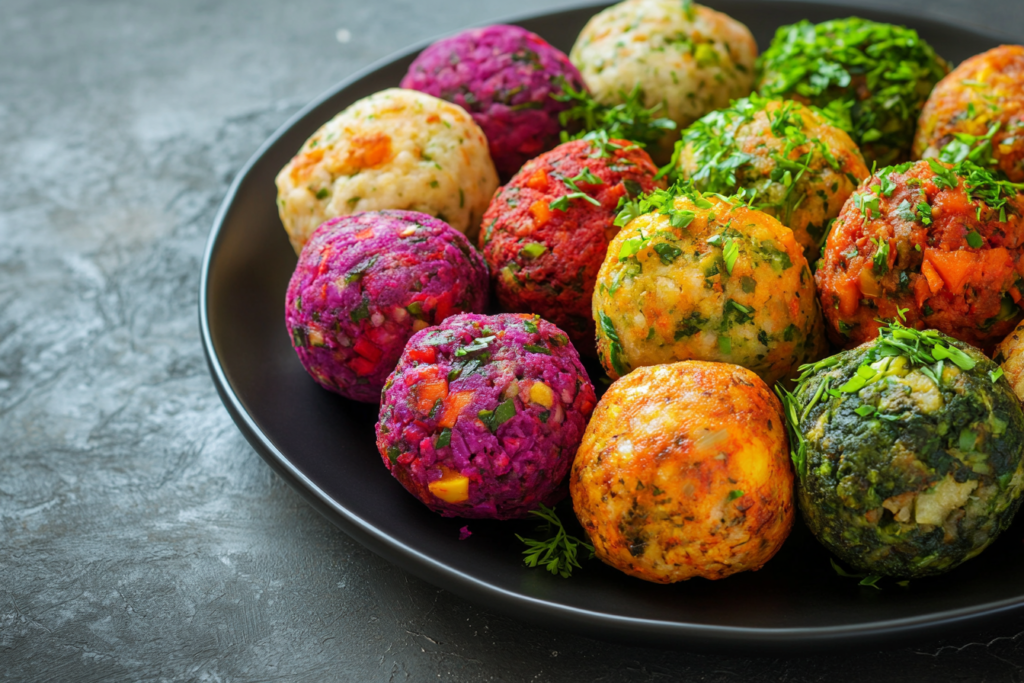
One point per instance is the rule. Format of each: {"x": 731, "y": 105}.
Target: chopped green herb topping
{"x": 628, "y": 120}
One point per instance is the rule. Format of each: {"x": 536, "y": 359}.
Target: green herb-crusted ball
{"x": 883, "y": 73}
{"x": 787, "y": 159}
{"x": 907, "y": 451}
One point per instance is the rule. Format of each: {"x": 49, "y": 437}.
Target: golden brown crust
{"x": 684, "y": 471}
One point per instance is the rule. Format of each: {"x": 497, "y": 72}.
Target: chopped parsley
{"x": 628, "y": 120}
{"x": 834, "y": 61}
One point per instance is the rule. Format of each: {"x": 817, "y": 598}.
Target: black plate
{"x": 324, "y": 446}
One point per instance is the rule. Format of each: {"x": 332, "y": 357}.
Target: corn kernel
{"x": 541, "y": 394}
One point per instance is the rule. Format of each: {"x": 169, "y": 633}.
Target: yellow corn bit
{"x": 541, "y": 394}
{"x": 452, "y": 487}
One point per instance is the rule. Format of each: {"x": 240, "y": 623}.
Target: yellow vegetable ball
{"x": 700, "y": 278}
{"x": 684, "y": 471}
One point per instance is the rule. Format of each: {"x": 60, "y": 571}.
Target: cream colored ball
{"x": 396, "y": 149}
{"x": 686, "y": 57}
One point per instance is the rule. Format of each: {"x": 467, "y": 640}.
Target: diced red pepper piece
{"x": 365, "y": 348}
{"x": 427, "y": 355}
{"x": 365, "y": 234}
{"x": 362, "y": 366}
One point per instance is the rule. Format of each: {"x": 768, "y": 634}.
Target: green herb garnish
{"x": 629, "y": 120}
{"x": 555, "y": 553}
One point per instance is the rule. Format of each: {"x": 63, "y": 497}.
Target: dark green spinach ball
{"x": 880, "y": 73}
{"x": 907, "y": 451}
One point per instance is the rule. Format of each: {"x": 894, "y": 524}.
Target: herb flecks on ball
{"x": 396, "y": 149}
{"x": 366, "y": 283}
{"x": 977, "y": 112}
{"x": 880, "y": 73}
{"x": 506, "y": 78}
{"x": 787, "y": 160}
{"x": 930, "y": 244}
{"x": 546, "y": 233}
{"x": 907, "y": 451}
{"x": 701, "y": 277}
{"x": 684, "y": 471}
{"x": 684, "y": 56}
{"x": 483, "y": 414}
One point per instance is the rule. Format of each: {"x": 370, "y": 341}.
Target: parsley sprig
{"x": 555, "y": 553}
{"x": 628, "y": 120}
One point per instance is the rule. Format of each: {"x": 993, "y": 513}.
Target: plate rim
{"x": 536, "y": 610}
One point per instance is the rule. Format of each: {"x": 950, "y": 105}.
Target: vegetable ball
{"x": 787, "y": 159}
{"x": 907, "y": 451}
{"x": 397, "y": 149}
{"x": 684, "y": 56}
{"x": 978, "y": 109}
{"x": 546, "y": 233}
{"x": 365, "y": 283}
{"x": 703, "y": 278}
{"x": 937, "y": 246}
{"x": 483, "y": 415}
{"x": 504, "y": 76}
{"x": 684, "y": 471}
{"x": 1010, "y": 356}
{"x": 880, "y": 73}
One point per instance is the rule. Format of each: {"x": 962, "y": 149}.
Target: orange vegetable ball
{"x": 930, "y": 244}
{"x": 984, "y": 94}
{"x": 684, "y": 471}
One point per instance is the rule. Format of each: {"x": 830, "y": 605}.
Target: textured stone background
{"x": 140, "y": 536}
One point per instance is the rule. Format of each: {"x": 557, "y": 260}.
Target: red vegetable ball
{"x": 932, "y": 245}
{"x": 546, "y": 233}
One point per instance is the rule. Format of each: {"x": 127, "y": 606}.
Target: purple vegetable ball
{"x": 504, "y": 77}
{"x": 483, "y": 415}
{"x": 367, "y": 282}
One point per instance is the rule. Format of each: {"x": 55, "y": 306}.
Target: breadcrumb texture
{"x": 396, "y": 149}
{"x": 689, "y": 59}
{"x": 684, "y": 471}
{"x": 983, "y": 91}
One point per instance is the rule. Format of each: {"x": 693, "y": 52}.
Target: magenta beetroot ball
{"x": 483, "y": 415}
{"x": 367, "y": 282}
{"x": 504, "y": 77}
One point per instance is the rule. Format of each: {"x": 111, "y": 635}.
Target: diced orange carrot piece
{"x": 538, "y": 180}
{"x": 954, "y": 267}
{"x": 429, "y": 391}
{"x": 935, "y": 283}
{"x": 453, "y": 406}
{"x": 848, "y": 291}
{"x": 541, "y": 212}
{"x": 365, "y": 234}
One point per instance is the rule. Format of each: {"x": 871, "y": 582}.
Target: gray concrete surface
{"x": 141, "y": 538}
